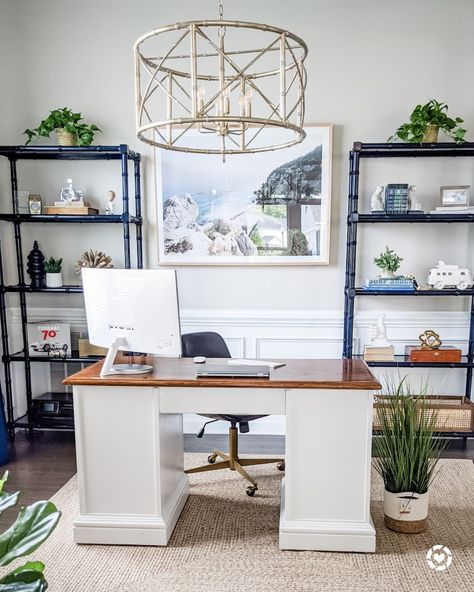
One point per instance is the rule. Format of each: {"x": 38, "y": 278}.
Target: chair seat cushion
{"x": 236, "y": 418}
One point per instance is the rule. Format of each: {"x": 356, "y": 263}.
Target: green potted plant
{"x": 406, "y": 453}
{"x": 426, "y": 121}
{"x": 69, "y": 127}
{"x": 389, "y": 262}
{"x": 54, "y": 277}
{"x": 32, "y": 527}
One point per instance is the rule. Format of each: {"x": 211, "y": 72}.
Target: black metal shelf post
{"x": 15, "y": 153}
{"x": 354, "y": 218}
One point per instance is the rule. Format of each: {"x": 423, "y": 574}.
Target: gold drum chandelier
{"x": 198, "y": 90}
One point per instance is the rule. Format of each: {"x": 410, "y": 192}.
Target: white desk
{"x": 129, "y": 440}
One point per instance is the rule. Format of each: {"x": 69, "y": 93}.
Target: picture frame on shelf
{"x": 455, "y": 195}
{"x": 269, "y": 208}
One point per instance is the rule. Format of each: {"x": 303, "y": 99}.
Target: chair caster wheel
{"x": 281, "y": 466}
{"x": 251, "y": 489}
{"x": 211, "y": 459}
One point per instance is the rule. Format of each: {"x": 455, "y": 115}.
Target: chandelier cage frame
{"x": 176, "y": 82}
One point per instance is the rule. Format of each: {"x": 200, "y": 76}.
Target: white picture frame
{"x": 238, "y": 213}
{"x": 455, "y": 195}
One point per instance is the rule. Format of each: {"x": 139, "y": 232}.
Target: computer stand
{"x": 109, "y": 368}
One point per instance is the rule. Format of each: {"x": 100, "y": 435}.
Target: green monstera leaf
{"x": 37, "y": 586}
{"x": 7, "y": 500}
{"x": 26, "y": 577}
{"x": 33, "y": 526}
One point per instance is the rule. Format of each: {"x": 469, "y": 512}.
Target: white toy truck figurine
{"x": 449, "y": 276}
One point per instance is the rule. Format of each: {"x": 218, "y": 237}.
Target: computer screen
{"x": 132, "y": 310}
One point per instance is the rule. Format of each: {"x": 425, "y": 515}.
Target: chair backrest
{"x": 204, "y": 343}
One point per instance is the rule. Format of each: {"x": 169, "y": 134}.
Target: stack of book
{"x": 391, "y": 284}
{"x": 453, "y": 210}
{"x": 373, "y": 353}
{"x": 71, "y": 208}
{"x": 396, "y": 198}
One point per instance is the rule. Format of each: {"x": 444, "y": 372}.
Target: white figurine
{"x": 110, "y": 209}
{"x": 413, "y": 204}
{"x": 376, "y": 201}
{"x": 449, "y": 276}
{"x": 378, "y": 334}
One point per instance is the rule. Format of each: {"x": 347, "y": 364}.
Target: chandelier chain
{"x": 221, "y": 10}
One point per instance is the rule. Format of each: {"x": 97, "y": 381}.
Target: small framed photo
{"x": 455, "y": 195}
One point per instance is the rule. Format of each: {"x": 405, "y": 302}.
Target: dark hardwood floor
{"x": 43, "y": 463}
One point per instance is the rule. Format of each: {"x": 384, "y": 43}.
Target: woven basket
{"x": 409, "y": 527}
{"x": 453, "y": 413}
{"x": 66, "y": 138}
{"x": 431, "y": 134}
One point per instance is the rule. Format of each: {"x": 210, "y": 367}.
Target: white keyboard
{"x": 244, "y": 362}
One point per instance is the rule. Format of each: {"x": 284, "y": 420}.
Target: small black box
{"x": 53, "y": 410}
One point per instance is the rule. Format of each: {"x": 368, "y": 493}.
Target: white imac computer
{"x": 132, "y": 310}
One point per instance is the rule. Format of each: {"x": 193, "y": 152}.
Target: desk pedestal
{"x": 132, "y": 486}
{"x": 326, "y": 490}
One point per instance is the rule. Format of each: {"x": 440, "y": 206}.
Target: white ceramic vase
{"x": 387, "y": 274}
{"x": 54, "y": 280}
{"x": 406, "y": 511}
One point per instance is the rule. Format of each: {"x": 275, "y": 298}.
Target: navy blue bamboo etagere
{"x": 127, "y": 220}
{"x": 355, "y": 218}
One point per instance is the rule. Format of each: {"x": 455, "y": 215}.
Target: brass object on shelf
{"x": 430, "y": 340}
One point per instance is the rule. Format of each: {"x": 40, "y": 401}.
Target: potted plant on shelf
{"x": 389, "y": 262}
{"x": 69, "y": 127}
{"x": 406, "y": 453}
{"x": 426, "y": 121}
{"x": 54, "y": 277}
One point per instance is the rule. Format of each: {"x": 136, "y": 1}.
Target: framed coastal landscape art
{"x": 267, "y": 208}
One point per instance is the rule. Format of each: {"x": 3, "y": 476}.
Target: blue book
{"x": 391, "y": 284}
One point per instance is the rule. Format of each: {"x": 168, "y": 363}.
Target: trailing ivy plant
{"x": 32, "y": 527}
{"x": 431, "y": 113}
{"x": 388, "y": 260}
{"x": 68, "y": 121}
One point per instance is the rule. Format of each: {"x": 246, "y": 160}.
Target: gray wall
{"x": 370, "y": 62}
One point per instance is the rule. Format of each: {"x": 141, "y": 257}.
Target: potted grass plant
{"x": 54, "y": 277}
{"x": 406, "y": 454}
{"x": 69, "y": 127}
{"x": 425, "y": 123}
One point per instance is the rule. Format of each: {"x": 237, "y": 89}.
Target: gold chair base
{"x": 234, "y": 463}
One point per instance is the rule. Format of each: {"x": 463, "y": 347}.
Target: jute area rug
{"x": 226, "y": 541}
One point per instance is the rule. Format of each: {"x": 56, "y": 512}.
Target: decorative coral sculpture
{"x": 93, "y": 258}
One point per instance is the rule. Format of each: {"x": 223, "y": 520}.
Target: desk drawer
{"x": 236, "y": 401}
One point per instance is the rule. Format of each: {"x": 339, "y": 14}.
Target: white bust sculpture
{"x": 413, "y": 204}
{"x": 378, "y": 334}
{"x": 376, "y": 200}
{"x": 110, "y": 209}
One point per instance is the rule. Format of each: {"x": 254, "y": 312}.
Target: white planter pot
{"x": 405, "y": 512}
{"x": 54, "y": 280}
{"x": 387, "y": 274}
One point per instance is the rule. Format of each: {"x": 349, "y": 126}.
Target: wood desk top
{"x": 181, "y": 372}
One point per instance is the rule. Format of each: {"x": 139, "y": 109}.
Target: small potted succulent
{"x": 406, "y": 454}
{"x": 54, "y": 277}
{"x": 389, "y": 262}
{"x": 426, "y": 121}
{"x": 69, "y": 127}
